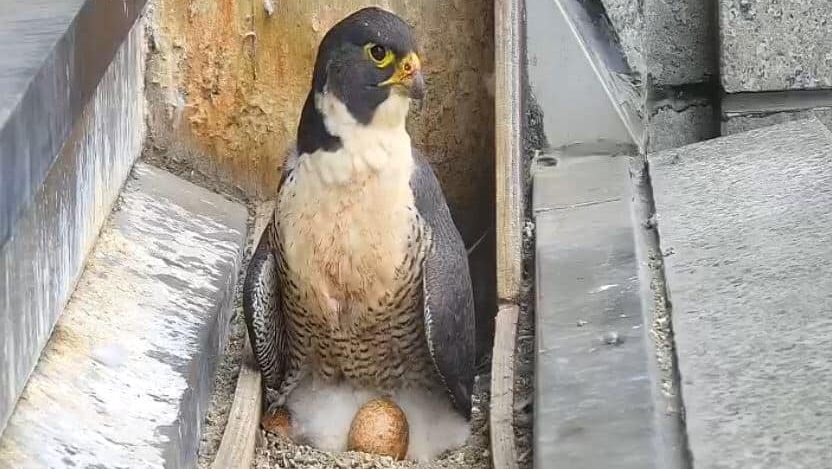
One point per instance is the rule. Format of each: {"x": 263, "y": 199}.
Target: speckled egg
{"x": 380, "y": 427}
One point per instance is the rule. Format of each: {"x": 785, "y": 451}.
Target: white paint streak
{"x": 603, "y": 288}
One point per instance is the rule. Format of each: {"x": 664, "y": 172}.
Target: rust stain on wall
{"x": 227, "y": 81}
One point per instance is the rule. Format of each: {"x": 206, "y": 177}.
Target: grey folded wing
{"x": 262, "y": 312}
{"x": 262, "y": 307}
{"x": 448, "y": 297}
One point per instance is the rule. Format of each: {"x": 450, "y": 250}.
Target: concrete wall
{"x": 770, "y": 58}
{"x": 774, "y": 61}
{"x": 227, "y": 81}
{"x": 48, "y": 244}
{"x": 671, "y": 45}
{"x": 723, "y": 66}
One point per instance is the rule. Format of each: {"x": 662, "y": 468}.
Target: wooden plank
{"x": 503, "y": 449}
{"x": 236, "y": 449}
{"x": 508, "y": 148}
{"x": 509, "y": 221}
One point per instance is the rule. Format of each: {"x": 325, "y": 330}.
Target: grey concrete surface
{"x": 594, "y": 405}
{"x": 775, "y": 44}
{"x": 126, "y": 377}
{"x": 679, "y": 45}
{"x": 734, "y": 124}
{"x": 45, "y": 254}
{"x": 53, "y": 53}
{"x": 678, "y": 124}
{"x": 583, "y": 85}
{"x": 744, "y": 222}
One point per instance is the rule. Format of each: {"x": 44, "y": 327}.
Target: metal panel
{"x": 41, "y": 261}
{"x": 52, "y": 56}
{"x": 581, "y": 80}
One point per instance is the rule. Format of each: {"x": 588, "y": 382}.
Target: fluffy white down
{"x": 322, "y": 414}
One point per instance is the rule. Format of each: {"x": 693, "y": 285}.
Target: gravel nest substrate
{"x": 275, "y": 451}
{"x": 524, "y": 388}
{"x": 524, "y": 358}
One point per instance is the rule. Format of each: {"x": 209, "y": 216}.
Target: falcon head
{"x": 366, "y": 72}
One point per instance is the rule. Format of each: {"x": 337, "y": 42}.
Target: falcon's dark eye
{"x": 378, "y": 53}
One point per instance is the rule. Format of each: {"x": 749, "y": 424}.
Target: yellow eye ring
{"x": 380, "y": 55}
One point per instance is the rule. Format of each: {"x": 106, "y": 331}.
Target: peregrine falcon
{"x": 361, "y": 277}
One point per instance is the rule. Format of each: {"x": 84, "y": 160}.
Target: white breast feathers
{"x": 345, "y": 216}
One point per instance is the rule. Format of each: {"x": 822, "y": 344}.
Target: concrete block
{"x": 594, "y": 405}
{"x": 744, "y": 223}
{"x": 679, "y": 40}
{"x": 126, "y": 377}
{"x": 627, "y": 19}
{"x": 736, "y": 123}
{"x": 670, "y": 40}
{"x": 45, "y": 253}
{"x": 671, "y": 128}
{"x": 771, "y": 45}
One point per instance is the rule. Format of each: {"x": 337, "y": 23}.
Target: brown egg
{"x": 280, "y": 422}
{"x": 380, "y": 427}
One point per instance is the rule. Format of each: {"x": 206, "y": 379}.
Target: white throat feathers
{"x": 371, "y": 147}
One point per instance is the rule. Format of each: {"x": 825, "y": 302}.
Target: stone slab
{"x": 737, "y": 123}
{"x": 53, "y": 54}
{"x": 679, "y": 40}
{"x": 45, "y": 253}
{"x": 126, "y": 377}
{"x": 768, "y": 45}
{"x": 744, "y": 221}
{"x": 594, "y": 405}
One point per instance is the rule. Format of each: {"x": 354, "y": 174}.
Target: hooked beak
{"x": 408, "y": 76}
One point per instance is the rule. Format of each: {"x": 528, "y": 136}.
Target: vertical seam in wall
{"x": 716, "y": 80}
